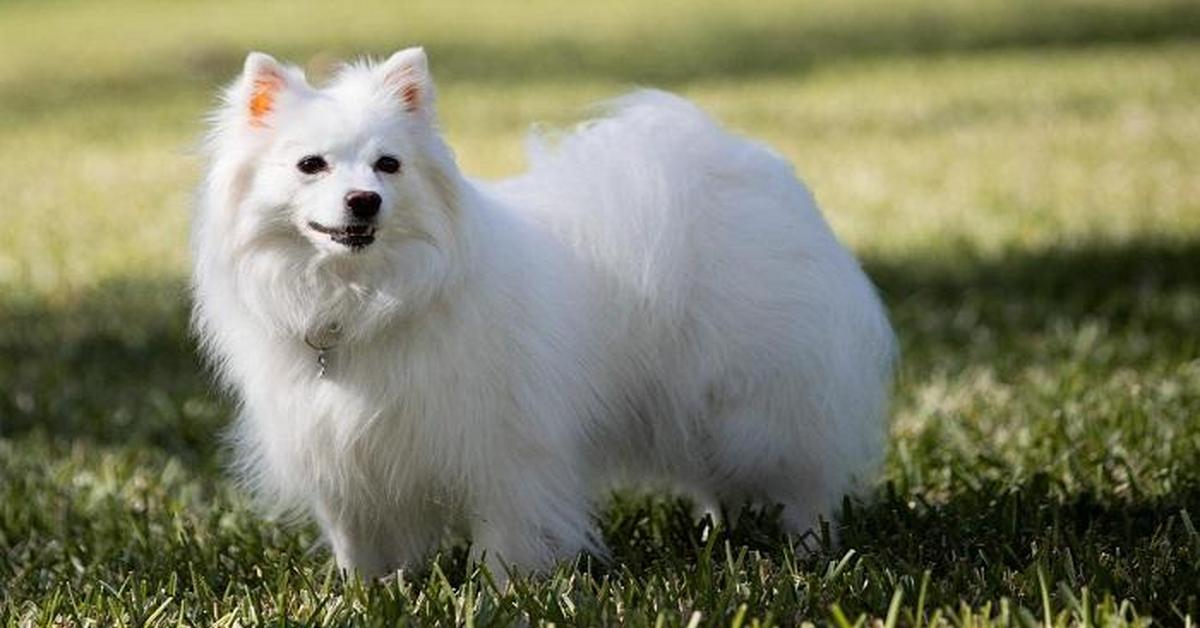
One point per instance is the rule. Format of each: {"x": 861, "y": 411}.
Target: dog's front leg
{"x": 532, "y": 519}
{"x": 376, "y": 544}
{"x": 356, "y": 544}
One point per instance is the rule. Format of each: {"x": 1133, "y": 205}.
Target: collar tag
{"x": 323, "y": 339}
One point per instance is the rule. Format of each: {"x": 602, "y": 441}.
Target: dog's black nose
{"x": 362, "y": 204}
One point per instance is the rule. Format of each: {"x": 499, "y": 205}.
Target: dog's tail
{"x": 630, "y": 187}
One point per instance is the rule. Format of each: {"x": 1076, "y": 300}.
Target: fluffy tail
{"x": 629, "y": 187}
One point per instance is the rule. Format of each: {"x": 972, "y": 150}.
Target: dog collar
{"x": 323, "y": 339}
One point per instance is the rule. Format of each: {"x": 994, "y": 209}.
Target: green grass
{"x": 1018, "y": 177}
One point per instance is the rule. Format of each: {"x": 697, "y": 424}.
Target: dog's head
{"x": 348, "y": 184}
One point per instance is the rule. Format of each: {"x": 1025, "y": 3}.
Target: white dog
{"x": 655, "y": 301}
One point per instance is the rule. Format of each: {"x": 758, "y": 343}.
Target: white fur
{"x": 654, "y": 301}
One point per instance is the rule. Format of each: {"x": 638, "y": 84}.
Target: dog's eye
{"x": 387, "y": 164}
{"x": 312, "y": 164}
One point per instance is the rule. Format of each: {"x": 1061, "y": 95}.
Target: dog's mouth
{"x": 356, "y": 236}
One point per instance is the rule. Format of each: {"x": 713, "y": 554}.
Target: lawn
{"x": 1019, "y": 178}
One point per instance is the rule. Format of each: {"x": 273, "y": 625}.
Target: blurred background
{"x": 1020, "y": 178}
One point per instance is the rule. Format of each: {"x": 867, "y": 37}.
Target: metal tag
{"x": 322, "y": 340}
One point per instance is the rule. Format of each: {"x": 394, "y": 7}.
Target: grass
{"x": 1018, "y": 178}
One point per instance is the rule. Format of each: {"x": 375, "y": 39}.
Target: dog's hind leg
{"x": 765, "y": 457}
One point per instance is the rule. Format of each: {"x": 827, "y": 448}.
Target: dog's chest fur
{"x": 418, "y": 411}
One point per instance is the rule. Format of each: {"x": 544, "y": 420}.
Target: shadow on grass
{"x": 1142, "y": 298}
{"x": 116, "y": 366}
{"x": 995, "y": 539}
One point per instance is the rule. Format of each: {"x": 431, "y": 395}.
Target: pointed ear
{"x": 263, "y": 81}
{"x": 406, "y": 75}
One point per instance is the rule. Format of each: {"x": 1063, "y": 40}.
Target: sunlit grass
{"x": 1015, "y": 151}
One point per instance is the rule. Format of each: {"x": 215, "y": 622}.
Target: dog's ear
{"x": 406, "y": 75}
{"x": 259, "y": 90}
